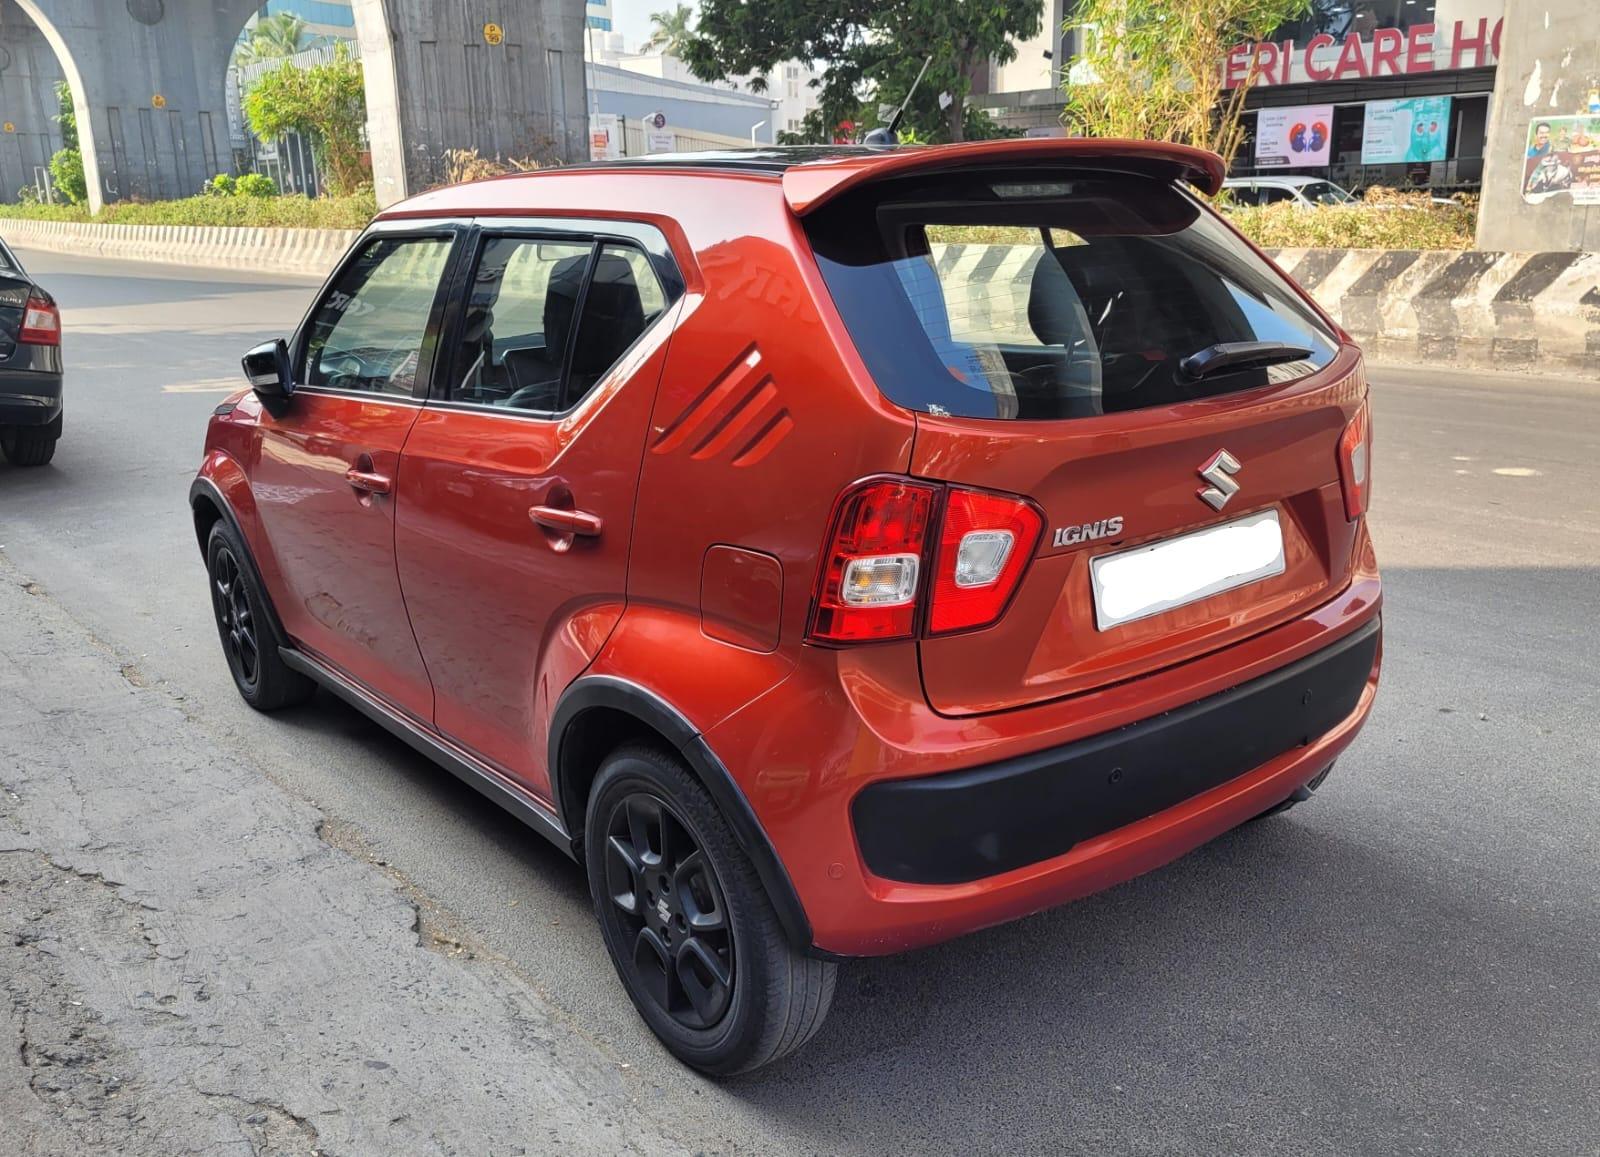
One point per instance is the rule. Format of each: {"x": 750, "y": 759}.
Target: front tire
{"x": 30, "y": 445}
{"x": 259, "y": 672}
{"x": 689, "y": 927}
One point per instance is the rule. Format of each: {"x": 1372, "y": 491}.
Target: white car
{"x": 1306, "y": 192}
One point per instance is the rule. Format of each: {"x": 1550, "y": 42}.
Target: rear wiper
{"x": 1227, "y": 355}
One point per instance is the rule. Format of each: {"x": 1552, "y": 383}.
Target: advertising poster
{"x": 1294, "y": 138}
{"x": 1563, "y": 160}
{"x": 1401, "y": 131}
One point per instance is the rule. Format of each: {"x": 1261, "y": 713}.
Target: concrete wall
{"x": 434, "y": 83}
{"x": 1549, "y": 63}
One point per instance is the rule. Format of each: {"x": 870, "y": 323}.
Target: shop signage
{"x": 1388, "y": 52}
{"x": 1294, "y": 138}
{"x": 1395, "y": 132}
{"x": 605, "y": 136}
{"x": 1562, "y": 160}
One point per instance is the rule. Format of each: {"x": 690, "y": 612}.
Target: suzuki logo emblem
{"x": 1219, "y": 471}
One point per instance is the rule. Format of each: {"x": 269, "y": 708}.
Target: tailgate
{"x": 1142, "y": 469}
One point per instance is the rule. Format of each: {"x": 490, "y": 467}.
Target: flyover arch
{"x": 149, "y": 85}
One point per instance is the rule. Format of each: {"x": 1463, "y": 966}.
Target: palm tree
{"x": 282, "y": 34}
{"x": 673, "y": 31}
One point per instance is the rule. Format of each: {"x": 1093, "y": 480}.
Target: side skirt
{"x": 457, "y": 762}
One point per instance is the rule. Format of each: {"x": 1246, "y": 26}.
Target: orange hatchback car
{"x": 835, "y": 550}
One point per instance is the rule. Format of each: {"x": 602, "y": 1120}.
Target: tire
{"x": 1301, "y": 795}
{"x": 652, "y": 828}
{"x": 30, "y": 445}
{"x": 248, "y": 640}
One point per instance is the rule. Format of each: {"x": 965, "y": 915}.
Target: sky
{"x": 632, "y": 17}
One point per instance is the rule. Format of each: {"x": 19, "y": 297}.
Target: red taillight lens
{"x": 1355, "y": 463}
{"x": 41, "y": 323}
{"x": 867, "y": 588}
{"x": 985, "y": 544}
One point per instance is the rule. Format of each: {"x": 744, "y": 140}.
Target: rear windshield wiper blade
{"x": 1228, "y": 355}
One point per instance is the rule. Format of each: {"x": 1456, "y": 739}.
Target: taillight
{"x": 867, "y": 588}
{"x": 41, "y": 323}
{"x": 1355, "y": 463}
{"x": 985, "y": 542}
{"x": 872, "y": 585}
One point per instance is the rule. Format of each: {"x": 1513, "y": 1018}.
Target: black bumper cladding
{"x": 965, "y": 825}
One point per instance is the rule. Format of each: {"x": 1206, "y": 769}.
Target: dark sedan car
{"x": 30, "y": 367}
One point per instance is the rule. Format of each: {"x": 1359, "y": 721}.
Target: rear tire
{"x": 689, "y": 927}
{"x": 30, "y": 445}
{"x": 248, "y": 640}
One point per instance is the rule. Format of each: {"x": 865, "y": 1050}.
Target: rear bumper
{"x": 29, "y": 398}
{"x": 848, "y": 726}
{"x": 969, "y": 825}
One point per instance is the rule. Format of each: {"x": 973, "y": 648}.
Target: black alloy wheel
{"x": 236, "y": 619}
{"x": 666, "y": 902}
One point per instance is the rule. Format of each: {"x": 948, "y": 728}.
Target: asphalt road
{"x": 1410, "y": 963}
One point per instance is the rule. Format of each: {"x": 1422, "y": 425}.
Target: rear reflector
{"x": 41, "y": 323}
{"x": 1355, "y": 463}
{"x": 985, "y": 543}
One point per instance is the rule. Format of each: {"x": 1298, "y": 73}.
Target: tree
{"x": 282, "y": 34}
{"x": 66, "y": 165}
{"x": 1152, "y": 69}
{"x": 672, "y": 31}
{"x": 327, "y": 103}
{"x": 872, "y": 53}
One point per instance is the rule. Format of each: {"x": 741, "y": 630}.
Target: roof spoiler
{"x": 810, "y": 186}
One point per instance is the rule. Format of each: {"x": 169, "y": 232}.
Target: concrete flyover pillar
{"x": 147, "y": 78}
{"x": 28, "y": 75}
{"x": 506, "y": 80}
{"x": 1541, "y": 175}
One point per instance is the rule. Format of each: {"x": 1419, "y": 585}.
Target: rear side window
{"x": 1029, "y": 298}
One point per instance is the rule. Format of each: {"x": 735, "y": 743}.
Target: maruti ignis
{"x": 836, "y": 551}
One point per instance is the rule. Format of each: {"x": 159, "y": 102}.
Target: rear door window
{"x": 1070, "y": 297}
{"x": 547, "y": 317}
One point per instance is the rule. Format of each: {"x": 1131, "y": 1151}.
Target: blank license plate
{"x": 1138, "y": 583}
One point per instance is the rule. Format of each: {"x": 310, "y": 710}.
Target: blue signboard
{"x": 1398, "y": 131}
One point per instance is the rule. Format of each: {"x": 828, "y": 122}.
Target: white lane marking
{"x": 208, "y": 386}
{"x": 1516, "y": 471}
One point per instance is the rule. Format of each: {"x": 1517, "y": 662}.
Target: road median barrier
{"x": 1524, "y": 312}
{"x": 312, "y": 252}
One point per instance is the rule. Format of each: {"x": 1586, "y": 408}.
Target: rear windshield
{"x": 1036, "y": 298}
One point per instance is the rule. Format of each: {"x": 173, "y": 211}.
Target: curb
{"x": 310, "y": 252}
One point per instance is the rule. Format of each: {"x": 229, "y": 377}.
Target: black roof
{"x": 760, "y": 159}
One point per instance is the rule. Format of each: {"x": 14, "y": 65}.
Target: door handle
{"x": 368, "y": 481}
{"x": 566, "y": 521}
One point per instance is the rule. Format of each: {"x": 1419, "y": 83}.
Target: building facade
{"x": 1360, "y": 92}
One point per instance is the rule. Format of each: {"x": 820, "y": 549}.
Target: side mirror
{"x": 270, "y": 373}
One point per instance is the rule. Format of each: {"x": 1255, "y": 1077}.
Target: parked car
{"x": 835, "y": 551}
{"x": 30, "y": 366}
{"x": 1307, "y": 192}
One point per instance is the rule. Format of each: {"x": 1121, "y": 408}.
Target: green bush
{"x": 1384, "y": 220}
{"x": 291, "y": 212}
{"x": 66, "y": 170}
{"x": 255, "y": 185}
{"x": 220, "y": 186}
